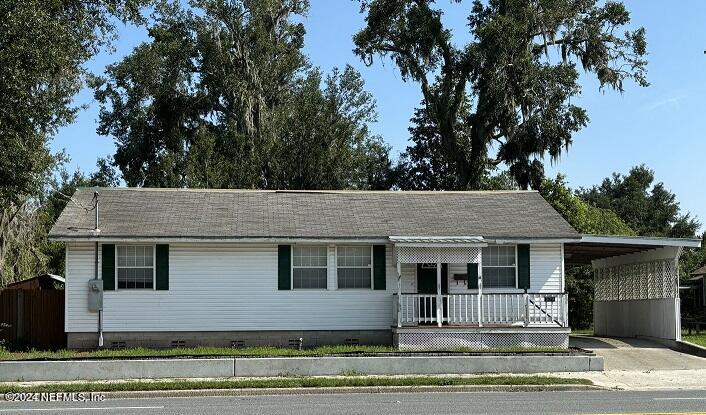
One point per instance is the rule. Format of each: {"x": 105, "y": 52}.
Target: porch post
{"x": 399, "y": 294}
{"x": 439, "y": 304}
{"x": 480, "y": 292}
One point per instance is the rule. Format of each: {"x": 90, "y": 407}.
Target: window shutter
{"x": 284, "y": 265}
{"x": 108, "y": 267}
{"x": 472, "y": 274}
{"x": 162, "y": 264}
{"x": 379, "y": 274}
{"x": 523, "y": 266}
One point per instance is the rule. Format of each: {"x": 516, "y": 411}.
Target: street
{"x": 591, "y": 402}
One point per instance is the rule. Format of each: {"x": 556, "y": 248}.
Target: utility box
{"x": 95, "y": 295}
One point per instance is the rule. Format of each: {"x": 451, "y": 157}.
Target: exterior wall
{"x": 635, "y": 301}
{"x": 224, "y": 293}
{"x": 223, "y": 287}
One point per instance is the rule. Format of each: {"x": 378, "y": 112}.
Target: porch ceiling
{"x": 593, "y": 247}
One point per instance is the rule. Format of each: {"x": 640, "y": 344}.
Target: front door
{"x": 426, "y": 284}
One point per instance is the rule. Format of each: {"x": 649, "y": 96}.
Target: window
{"x": 309, "y": 266}
{"x": 499, "y": 266}
{"x": 135, "y": 266}
{"x": 355, "y": 266}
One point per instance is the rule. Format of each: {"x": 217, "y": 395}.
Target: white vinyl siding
{"x": 545, "y": 268}
{"x": 219, "y": 287}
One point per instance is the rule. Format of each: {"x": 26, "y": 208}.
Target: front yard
{"x": 186, "y": 352}
{"x": 699, "y": 339}
{"x": 294, "y": 382}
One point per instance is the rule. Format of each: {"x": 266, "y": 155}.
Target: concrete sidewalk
{"x": 644, "y": 380}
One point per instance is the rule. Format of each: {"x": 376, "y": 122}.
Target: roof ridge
{"x": 294, "y": 191}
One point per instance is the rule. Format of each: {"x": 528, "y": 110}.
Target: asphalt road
{"x": 592, "y": 402}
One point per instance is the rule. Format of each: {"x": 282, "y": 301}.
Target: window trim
{"x": 370, "y": 267}
{"x": 482, "y": 265}
{"x": 292, "y": 267}
{"x": 154, "y": 268}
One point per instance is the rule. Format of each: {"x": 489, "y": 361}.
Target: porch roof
{"x": 592, "y": 247}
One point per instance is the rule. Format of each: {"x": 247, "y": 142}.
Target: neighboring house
{"x": 40, "y": 282}
{"x": 697, "y": 286}
{"x": 415, "y": 269}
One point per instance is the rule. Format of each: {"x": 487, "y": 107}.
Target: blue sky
{"x": 661, "y": 125}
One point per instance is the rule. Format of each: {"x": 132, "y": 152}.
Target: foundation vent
{"x": 118, "y": 345}
{"x": 178, "y": 343}
{"x": 352, "y": 342}
{"x": 237, "y": 343}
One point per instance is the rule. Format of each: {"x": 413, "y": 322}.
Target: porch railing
{"x": 513, "y": 309}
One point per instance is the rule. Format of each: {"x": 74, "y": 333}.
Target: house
{"x": 40, "y": 282}
{"x": 416, "y": 269}
{"x": 697, "y": 287}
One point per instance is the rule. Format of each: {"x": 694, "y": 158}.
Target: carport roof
{"x": 592, "y": 247}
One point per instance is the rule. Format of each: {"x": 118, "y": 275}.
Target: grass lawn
{"x": 291, "y": 382}
{"x": 699, "y": 339}
{"x": 238, "y": 352}
{"x": 587, "y": 332}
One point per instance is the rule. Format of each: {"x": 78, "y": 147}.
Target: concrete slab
{"x": 115, "y": 369}
{"x": 399, "y": 365}
{"x": 637, "y": 354}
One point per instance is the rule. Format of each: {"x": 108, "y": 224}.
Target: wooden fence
{"x": 35, "y": 318}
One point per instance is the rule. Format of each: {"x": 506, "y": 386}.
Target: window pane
{"x": 122, "y": 256}
{"x": 354, "y": 278}
{"x": 498, "y": 277}
{"x": 499, "y": 255}
{"x": 353, "y": 256}
{"x": 309, "y": 278}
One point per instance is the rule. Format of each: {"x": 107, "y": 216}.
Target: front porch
{"x": 452, "y": 309}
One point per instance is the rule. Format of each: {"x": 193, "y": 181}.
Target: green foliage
{"x": 222, "y": 96}
{"x": 504, "y": 92}
{"x": 648, "y": 208}
{"x": 43, "y": 45}
{"x": 584, "y": 217}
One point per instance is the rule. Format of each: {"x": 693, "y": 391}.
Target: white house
{"x": 417, "y": 269}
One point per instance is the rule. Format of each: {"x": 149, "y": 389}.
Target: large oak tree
{"x": 504, "y": 97}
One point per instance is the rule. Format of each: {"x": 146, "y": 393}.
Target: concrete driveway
{"x": 637, "y": 354}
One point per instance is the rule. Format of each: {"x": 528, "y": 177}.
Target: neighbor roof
{"x": 244, "y": 214}
{"x": 700, "y": 271}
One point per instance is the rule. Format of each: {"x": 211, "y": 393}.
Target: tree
{"x": 650, "y": 209}
{"x": 43, "y": 46}
{"x": 222, "y": 96}
{"x": 509, "y": 90}
{"x": 585, "y": 219}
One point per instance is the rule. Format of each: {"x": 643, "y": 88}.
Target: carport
{"x": 636, "y": 282}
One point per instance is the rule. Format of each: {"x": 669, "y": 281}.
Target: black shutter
{"x": 162, "y": 267}
{"x": 379, "y": 274}
{"x": 523, "y": 266}
{"x": 472, "y": 275}
{"x": 284, "y": 265}
{"x": 108, "y": 267}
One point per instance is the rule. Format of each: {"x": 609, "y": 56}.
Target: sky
{"x": 660, "y": 125}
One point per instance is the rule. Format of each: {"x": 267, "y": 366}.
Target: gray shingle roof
{"x": 224, "y": 214}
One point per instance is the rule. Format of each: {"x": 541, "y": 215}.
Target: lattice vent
{"x": 448, "y": 255}
{"x": 640, "y": 281}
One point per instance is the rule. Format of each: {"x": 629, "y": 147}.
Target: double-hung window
{"x": 354, "y": 266}
{"x": 309, "y": 266}
{"x": 499, "y": 266}
{"x": 135, "y": 266}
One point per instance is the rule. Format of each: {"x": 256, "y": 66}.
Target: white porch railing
{"x": 494, "y": 309}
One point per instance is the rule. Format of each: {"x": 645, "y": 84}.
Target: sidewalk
{"x": 693, "y": 379}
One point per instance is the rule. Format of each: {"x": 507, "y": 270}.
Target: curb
{"x": 347, "y": 390}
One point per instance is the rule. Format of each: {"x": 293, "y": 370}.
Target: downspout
{"x": 96, "y": 232}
